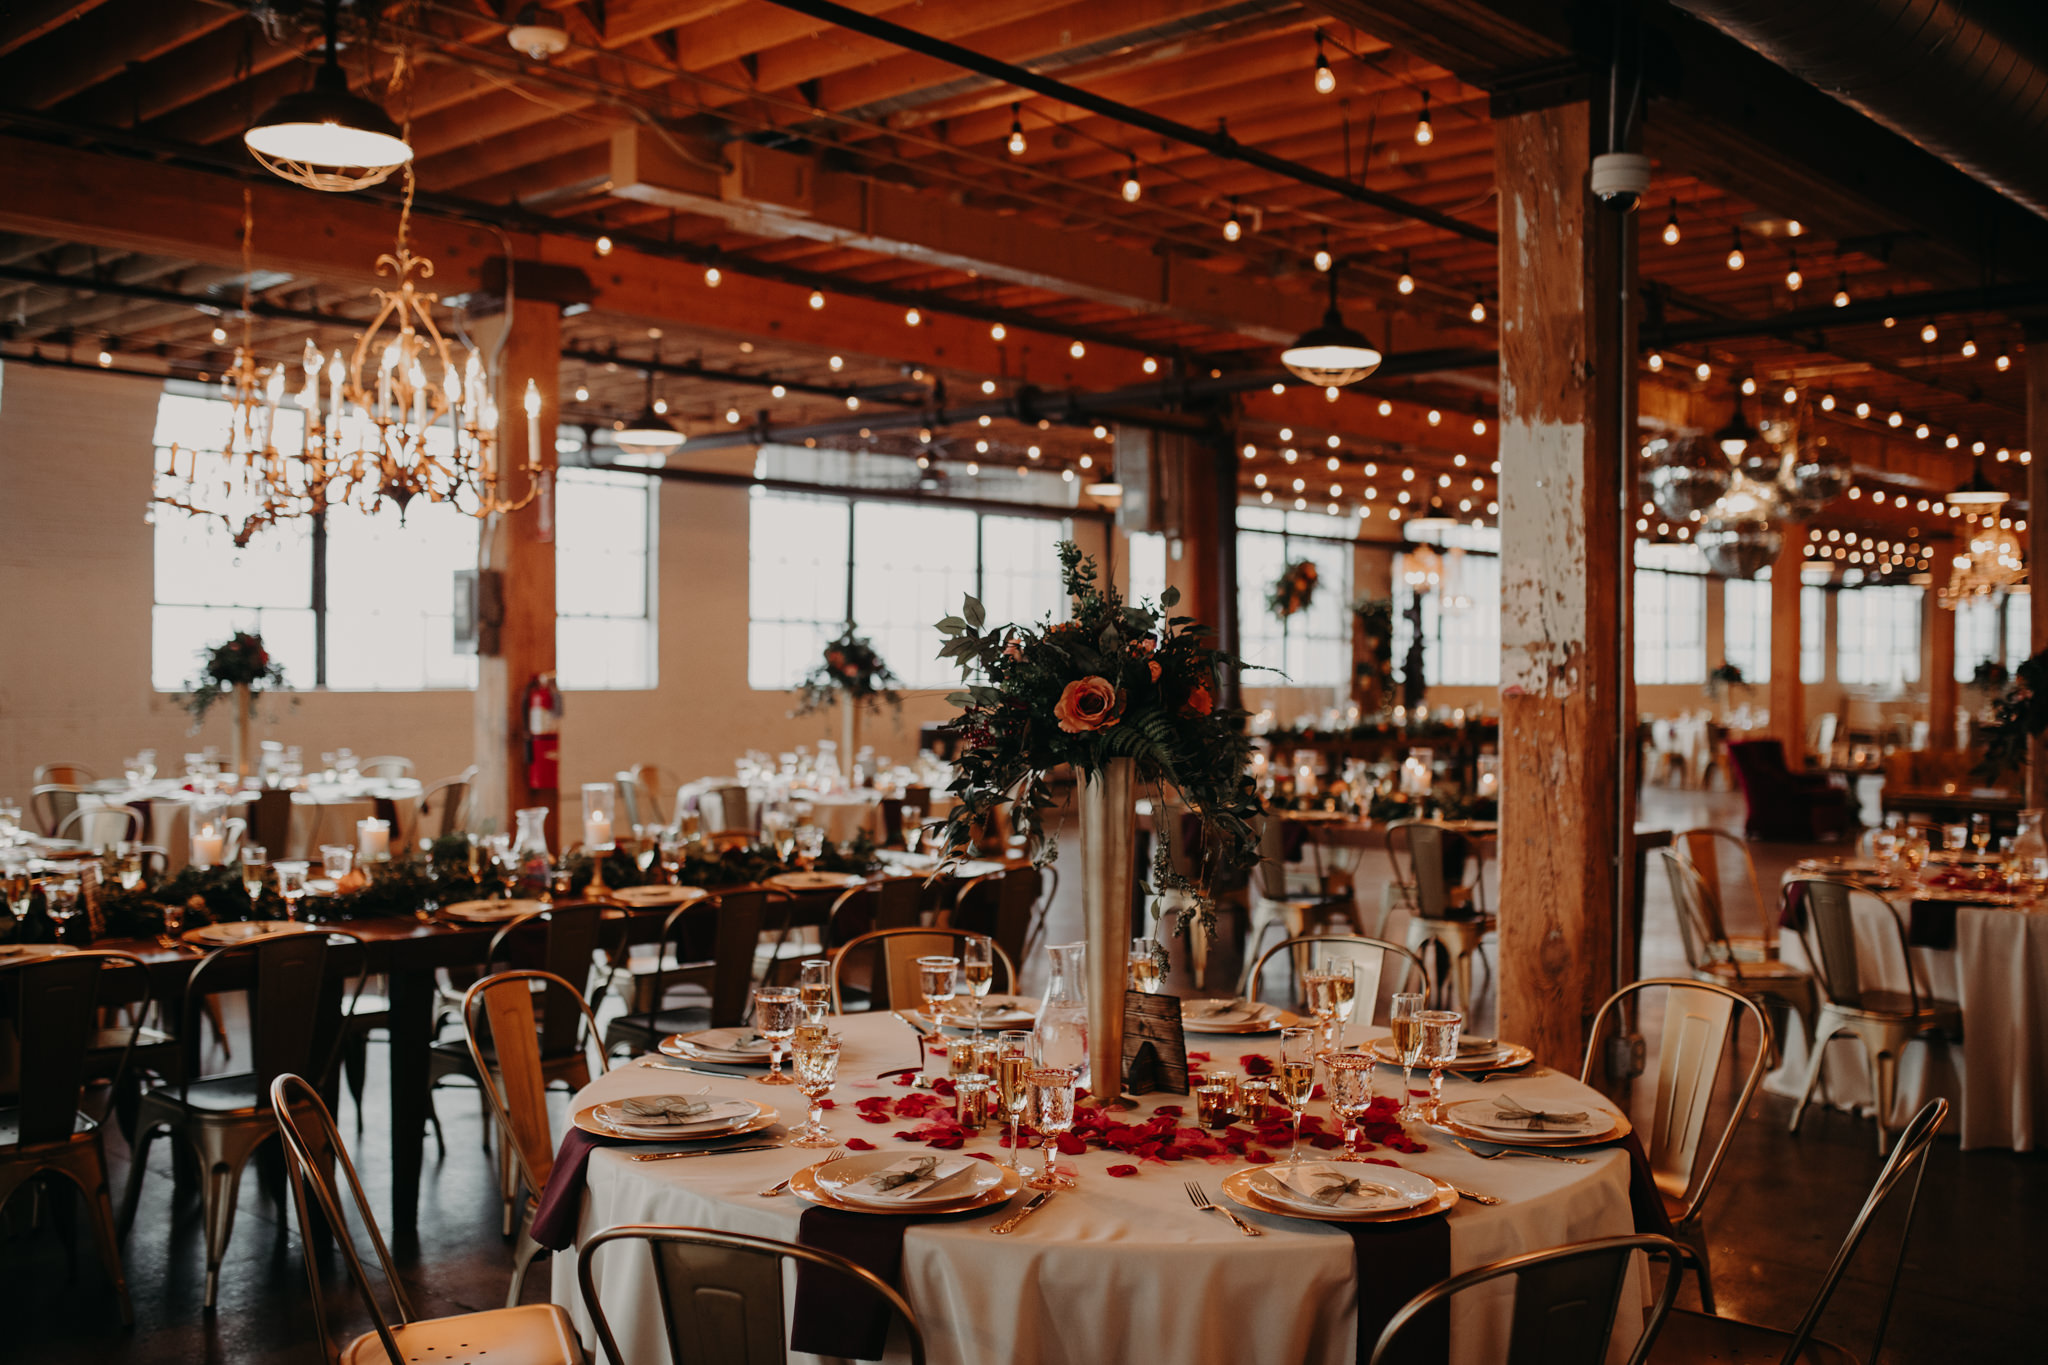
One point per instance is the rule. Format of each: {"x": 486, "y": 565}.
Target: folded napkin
{"x": 730, "y": 1040}
{"x": 664, "y": 1109}
{"x": 1332, "y": 1189}
{"x": 912, "y": 1178}
{"x": 1535, "y": 1120}
{"x": 835, "y": 1314}
{"x": 1395, "y": 1262}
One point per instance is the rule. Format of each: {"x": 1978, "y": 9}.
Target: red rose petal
{"x": 1121, "y": 1171}
{"x": 1070, "y": 1145}
{"x": 859, "y": 1145}
{"x": 1257, "y": 1157}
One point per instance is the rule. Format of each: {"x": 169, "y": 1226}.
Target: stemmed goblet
{"x": 291, "y": 884}
{"x": 817, "y": 1068}
{"x": 1440, "y": 1032}
{"x": 1350, "y": 1095}
{"x": 1052, "y": 1089}
{"x": 775, "y": 1009}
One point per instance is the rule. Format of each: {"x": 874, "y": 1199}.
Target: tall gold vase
{"x": 1109, "y": 826}
{"x": 849, "y": 731}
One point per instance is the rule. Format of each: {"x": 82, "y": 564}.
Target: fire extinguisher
{"x": 543, "y": 733}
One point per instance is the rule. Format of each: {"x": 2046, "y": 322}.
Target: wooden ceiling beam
{"x": 102, "y": 44}
{"x": 28, "y": 20}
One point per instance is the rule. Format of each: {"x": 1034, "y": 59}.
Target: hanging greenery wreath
{"x": 1295, "y": 589}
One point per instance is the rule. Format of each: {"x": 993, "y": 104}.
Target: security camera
{"x": 1620, "y": 179}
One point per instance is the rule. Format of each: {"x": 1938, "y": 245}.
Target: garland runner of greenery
{"x": 1115, "y": 681}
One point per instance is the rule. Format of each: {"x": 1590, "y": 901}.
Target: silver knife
{"x": 1031, "y": 1206}
{"x": 711, "y": 1151}
{"x": 691, "y": 1070}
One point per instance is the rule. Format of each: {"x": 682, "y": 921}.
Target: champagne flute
{"x": 1955, "y": 838}
{"x": 1404, "y": 1017}
{"x": 810, "y": 844}
{"x": 817, "y": 1068}
{"x": 1440, "y": 1032}
{"x": 1295, "y": 1078}
{"x": 935, "y": 983}
{"x": 1052, "y": 1088}
{"x": 1013, "y": 1065}
{"x": 255, "y": 866}
{"x": 1147, "y": 965}
{"x": 1980, "y": 831}
{"x": 1350, "y": 1095}
{"x": 814, "y": 989}
{"x": 978, "y": 969}
{"x": 1342, "y": 986}
{"x": 913, "y": 828}
{"x": 775, "y": 1015}
{"x": 291, "y": 884}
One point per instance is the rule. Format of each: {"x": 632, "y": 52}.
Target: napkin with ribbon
{"x": 1397, "y": 1261}
{"x": 663, "y": 1109}
{"x": 1536, "y": 1120}
{"x": 835, "y": 1314}
{"x": 1332, "y": 1189}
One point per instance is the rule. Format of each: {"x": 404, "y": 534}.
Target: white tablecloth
{"x": 1116, "y": 1270}
{"x": 1998, "y": 1078}
{"x": 845, "y": 814}
{"x": 320, "y": 815}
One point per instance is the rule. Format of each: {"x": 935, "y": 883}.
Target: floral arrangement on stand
{"x": 850, "y": 669}
{"x": 1373, "y": 676}
{"x": 239, "y": 661}
{"x": 2021, "y": 713}
{"x": 1724, "y": 680}
{"x": 1116, "y": 681}
{"x": 1293, "y": 590}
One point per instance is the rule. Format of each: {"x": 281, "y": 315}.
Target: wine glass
{"x": 817, "y": 1067}
{"x": 336, "y": 860}
{"x": 1404, "y": 1018}
{"x": 1955, "y": 838}
{"x": 291, "y": 883}
{"x": 1295, "y": 1078}
{"x": 814, "y": 989}
{"x": 255, "y": 867}
{"x": 810, "y": 844}
{"x": 913, "y": 828}
{"x": 935, "y": 983}
{"x": 1440, "y": 1030}
{"x": 1331, "y": 987}
{"x": 1147, "y": 965}
{"x": 1052, "y": 1090}
{"x": 1350, "y": 1095}
{"x": 670, "y": 846}
{"x": 61, "y": 893}
{"x": 775, "y": 1015}
{"x": 1013, "y": 1090}
{"x": 1980, "y": 831}
{"x": 978, "y": 969}
{"x": 780, "y": 832}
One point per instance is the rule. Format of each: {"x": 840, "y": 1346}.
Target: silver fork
{"x": 1201, "y": 1201}
{"x": 1498, "y": 1153}
{"x": 782, "y": 1186}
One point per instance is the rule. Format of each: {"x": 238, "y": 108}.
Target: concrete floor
{"x": 1968, "y": 1291}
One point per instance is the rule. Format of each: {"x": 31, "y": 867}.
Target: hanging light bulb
{"x": 1703, "y": 371}
{"x": 1076, "y": 350}
{"x": 1735, "y": 257}
{"x": 1842, "y": 292}
{"x": 912, "y": 317}
{"x": 1478, "y": 312}
{"x": 817, "y": 299}
{"x": 1928, "y": 333}
{"x": 1671, "y": 233}
{"x": 1151, "y": 366}
{"x": 1827, "y": 402}
{"x": 1656, "y": 362}
{"x": 603, "y": 244}
{"x": 1794, "y": 281}
{"x": 1748, "y": 385}
{"x": 326, "y": 137}
{"x": 1969, "y": 347}
{"x": 1232, "y": 228}
{"x": 220, "y": 335}
{"x": 1794, "y": 228}
{"x": 1131, "y": 188}
{"x": 1406, "y": 283}
{"x": 997, "y": 332}
{"x": 1425, "y": 132}
{"x": 1324, "y": 260}
{"x": 1326, "y": 79}
{"x": 2003, "y": 363}
{"x": 1016, "y": 143}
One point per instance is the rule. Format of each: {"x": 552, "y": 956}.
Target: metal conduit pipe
{"x": 1966, "y": 81}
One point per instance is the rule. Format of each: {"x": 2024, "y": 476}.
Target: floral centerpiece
{"x": 1724, "y": 679}
{"x": 238, "y": 667}
{"x": 1294, "y": 590}
{"x": 850, "y": 676}
{"x": 1122, "y": 693}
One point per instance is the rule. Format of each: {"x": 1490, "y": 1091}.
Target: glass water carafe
{"x": 532, "y": 868}
{"x": 1061, "y": 1035}
{"x": 2030, "y": 848}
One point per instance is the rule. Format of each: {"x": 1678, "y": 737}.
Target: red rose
{"x": 1199, "y": 701}
{"x": 1088, "y": 704}
{"x": 1153, "y": 665}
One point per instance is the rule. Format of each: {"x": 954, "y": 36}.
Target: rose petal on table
{"x": 1069, "y": 1145}
{"x": 859, "y": 1145}
{"x": 1121, "y": 1171}
{"x": 1257, "y": 1157}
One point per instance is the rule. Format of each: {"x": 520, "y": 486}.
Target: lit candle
{"x": 597, "y": 830}
{"x": 373, "y": 840}
{"x": 1489, "y": 783}
{"x": 207, "y": 846}
{"x": 532, "y": 423}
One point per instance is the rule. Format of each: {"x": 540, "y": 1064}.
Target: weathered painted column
{"x": 1788, "y": 693}
{"x": 1567, "y": 398}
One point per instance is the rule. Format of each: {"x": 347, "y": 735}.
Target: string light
{"x": 988, "y": 386}
{"x": 1386, "y": 408}
{"x": 2003, "y": 363}
{"x": 817, "y": 300}
{"x": 1405, "y": 284}
{"x": 1671, "y": 233}
{"x": 1735, "y": 257}
{"x": 1827, "y": 402}
{"x": 1131, "y": 188}
{"x": 582, "y": 393}
{"x": 1076, "y": 350}
{"x": 1794, "y": 228}
{"x": 1150, "y": 366}
{"x": 1425, "y": 131}
{"x": 1478, "y": 310}
{"x": 1791, "y": 395}
{"x": 1016, "y": 143}
{"x": 1656, "y": 362}
{"x": 106, "y": 358}
{"x": 913, "y": 317}
{"x": 1435, "y": 417}
{"x": 837, "y": 363}
{"x": 1969, "y": 347}
{"x": 1842, "y": 293}
{"x": 778, "y": 392}
{"x": 1863, "y": 410}
{"x": 998, "y": 332}
{"x": 1928, "y": 333}
{"x": 1748, "y": 386}
{"x": 712, "y": 278}
{"x": 603, "y": 244}
{"x": 1232, "y": 228}
{"x": 1703, "y": 371}
{"x": 220, "y": 335}
{"x": 1325, "y": 78}
{"x": 1794, "y": 281}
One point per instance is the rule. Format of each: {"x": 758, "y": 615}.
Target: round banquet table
{"x": 1117, "y": 1269}
{"x": 1997, "y": 971}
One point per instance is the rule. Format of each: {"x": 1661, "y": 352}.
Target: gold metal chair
{"x": 1703, "y": 1339}
{"x": 1273, "y": 904}
{"x": 538, "y": 1334}
{"x": 1709, "y": 852}
{"x": 721, "y": 1294}
{"x": 1884, "y": 1022}
{"x": 1565, "y": 1300}
{"x": 1696, "y": 1036}
{"x": 1377, "y": 954}
{"x": 1712, "y": 958}
{"x": 1441, "y": 912}
{"x": 896, "y": 963}
{"x": 503, "y": 1022}
{"x": 226, "y": 1118}
{"x": 44, "y": 1132}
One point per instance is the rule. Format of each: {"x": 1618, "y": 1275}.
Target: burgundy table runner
{"x": 561, "y": 1203}
{"x": 837, "y": 1315}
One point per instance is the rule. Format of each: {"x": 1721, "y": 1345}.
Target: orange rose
{"x": 1089, "y": 704}
{"x": 1153, "y": 664}
{"x": 1199, "y": 701}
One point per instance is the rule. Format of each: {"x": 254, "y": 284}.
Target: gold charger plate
{"x": 1441, "y": 1120}
{"x": 1507, "y": 1057}
{"x": 647, "y": 897}
{"x": 1273, "y": 1023}
{"x": 588, "y": 1121}
{"x": 1242, "y": 1186}
{"x": 228, "y": 933}
{"x": 679, "y": 1045}
{"x": 491, "y": 912}
{"x": 804, "y": 1185}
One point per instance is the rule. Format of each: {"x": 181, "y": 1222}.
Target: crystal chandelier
{"x": 1992, "y": 565}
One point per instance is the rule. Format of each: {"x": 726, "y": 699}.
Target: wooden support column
{"x": 1941, "y": 657}
{"x": 1788, "y": 693}
{"x": 2035, "y": 359}
{"x": 520, "y": 547}
{"x": 1567, "y": 406}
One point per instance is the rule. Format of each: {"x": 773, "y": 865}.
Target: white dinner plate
{"x": 998, "y": 1012}
{"x": 1295, "y": 1187}
{"x": 22, "y": 952}
{"x": 240, "y": 931}
{"x": 491, "y": 912}
{"x": 963, "y": 1177}
{"x": 719, "y": 1045}
{"x": 1205, "y": 1016}
{"x": 645, "y": 897}
{"x": 726, "y": 1111}
{"x": 815, "y": 881}
{"x": 1481, "y": 1114}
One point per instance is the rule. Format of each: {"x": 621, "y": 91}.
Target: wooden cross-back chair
{"x": 896, "y": 951}
{"x": 706, "y": 944}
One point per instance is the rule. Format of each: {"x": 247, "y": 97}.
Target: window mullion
{"x": 319, "y": 595}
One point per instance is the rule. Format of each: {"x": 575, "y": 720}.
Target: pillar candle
{"x": 207, "y": 846}
{"x": 597, "y": 831}
{"x": 373, "y": 840}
